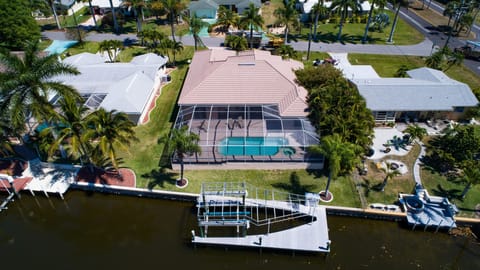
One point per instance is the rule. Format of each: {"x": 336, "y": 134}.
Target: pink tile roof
{"x": 219, "y": 76}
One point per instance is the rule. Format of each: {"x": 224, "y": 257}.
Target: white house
{"x": 126, "y": 87}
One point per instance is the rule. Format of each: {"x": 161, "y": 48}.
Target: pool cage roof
{"x": 247, "y": 133}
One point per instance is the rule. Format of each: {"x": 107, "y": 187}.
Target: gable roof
{"x": 129, "y": 94}
{"x": 410, "y": 94}
{"x": 219, "y": 76}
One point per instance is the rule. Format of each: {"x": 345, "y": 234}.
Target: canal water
{"x": 94, "y": 230}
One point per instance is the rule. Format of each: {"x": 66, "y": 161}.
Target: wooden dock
{"x": 310, "y": 237}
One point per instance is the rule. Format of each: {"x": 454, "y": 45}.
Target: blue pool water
{"x": 251, "y": 146}
{"x": 59, "y": 46}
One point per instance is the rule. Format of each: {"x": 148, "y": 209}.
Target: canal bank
{"x": 93, "y": 229}
{"x": 191, "y": 197}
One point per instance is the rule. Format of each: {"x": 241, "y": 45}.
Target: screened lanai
{"x": 245, "y": 133}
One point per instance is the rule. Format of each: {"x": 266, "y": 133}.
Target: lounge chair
{"x": 230, "y": 123}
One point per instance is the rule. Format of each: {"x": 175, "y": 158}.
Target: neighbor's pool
{"x": 251, "y": 146}
{"x": 59, "y": 46}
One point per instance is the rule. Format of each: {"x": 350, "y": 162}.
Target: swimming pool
{"x": 251, "y": 146}
{"x": 59, "y": 46}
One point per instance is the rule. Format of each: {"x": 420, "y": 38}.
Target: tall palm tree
{"x": 195, "y": 24}
{"x": 380, "y": 4}
{"x": 287, "y": 15}
{"x": 342, "y": 7}
{"x": 112, "y": 130}
{"x": 27, "y": 84}
{"x": 226, "y": 18}
{"x": 471, "y": 175}
{"x": 252, "y": 19}
{"x": 51, "y": 3}
{"x": 137, "y": 7}
{"x": 450, "y": 10}
{"x": 92, "y": 12}
{"x": 398, "y": 4}
{"x": 390, "y": 173}
{"x": 340, "y": 155}
{"x": 151, "y": 38}
{"x": 114, "y": 17}
{"x": 173, "y": 8}
{"x": 318, "y": 10}
{"x": 183, "y": 142}
{"x": 416, "y": 132}
{"x": 6, "y": 147}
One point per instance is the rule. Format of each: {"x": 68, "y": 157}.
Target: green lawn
{"x": 353, "y": 33}
{"x": 439, "y": 185}
{"x": 87, "y": 46}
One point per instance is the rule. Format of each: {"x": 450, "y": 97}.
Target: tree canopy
{"x": 336, "y": 106}
{"x": 17, "y": 24}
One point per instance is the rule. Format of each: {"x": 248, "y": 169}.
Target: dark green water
{"x": 93, "y": 231}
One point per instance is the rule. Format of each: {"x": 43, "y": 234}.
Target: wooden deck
{"x": 311, "y": 237}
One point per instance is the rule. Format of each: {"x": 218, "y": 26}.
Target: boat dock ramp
{"x": 242, "y": 206}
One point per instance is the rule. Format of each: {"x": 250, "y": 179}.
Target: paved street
{"x": 433, "y": 40}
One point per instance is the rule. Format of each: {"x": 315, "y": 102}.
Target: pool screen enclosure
{"x": 244, "y": 133}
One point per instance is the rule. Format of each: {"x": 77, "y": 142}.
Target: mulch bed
{"x": 123, "y": 177}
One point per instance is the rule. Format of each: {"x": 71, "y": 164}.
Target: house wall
{"x": 206, "y": 13}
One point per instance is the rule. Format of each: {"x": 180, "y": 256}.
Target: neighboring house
{"x": 126, "y": 87}
{"x": 245, "y": 108}
{"x": 305, "y": 7}
{"x": 208, "y": 8}
{"x": 427, "y": 94}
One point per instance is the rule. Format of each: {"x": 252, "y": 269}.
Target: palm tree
{"x": 454, "y": 59}
{"x": 51, "y": 3}
{"x": 137, "y": 6}
{"x": 173, "y": 8}
{"x": 340, "y": 155}
{"x": 168, "y": 45}
{"x": 112, "y": 130}
{"x": 111, "y": 47}
{"x": 27, "y": 84}
{"x": 92, "y": 12}
{"x": 287, "y": 15}
{"x": 399, "y": 4}
{"x": 196, "y": 24}
{"x": 114, "y": 17}
{"x": 252, "y": 19}
{"x": 151, "y": 38}
{"x": 70, "y": 130}
{"x": 237, "y": 43}
{"x": 435, "y": 60}
{"x": 319, "y": 11}
{"x": 183, "y": 142}
{"x": 342, "y": 7}
{"x": 401, "y": 72}
{"x": 381, "y": 5}
{"x": 226, "y": 18}
{"x": 471, "y": 175}
{"x": 6, "y": 147}
{"x": 415, "y": 132}
{"x": 286, "y": 51}
{"x": 390, "y": 173}
{"x": 450, "y": 10}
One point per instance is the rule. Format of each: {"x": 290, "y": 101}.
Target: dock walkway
{"x": 310, "y": 237}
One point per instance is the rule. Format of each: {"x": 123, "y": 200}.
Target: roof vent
{"x": 246, "y": 64}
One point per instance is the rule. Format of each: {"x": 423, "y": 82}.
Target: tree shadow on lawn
{"x": 160, "y": 176}
{"x": 295, "y": 186}
{"x": 448, "y": 193}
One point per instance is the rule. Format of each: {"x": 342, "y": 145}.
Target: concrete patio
{"x": 382, "y": 136}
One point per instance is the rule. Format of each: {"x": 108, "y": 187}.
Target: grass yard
{"x": 87, "y": 46}
{"x": 439, "y": 185}
{"x": 144, "y": 156}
